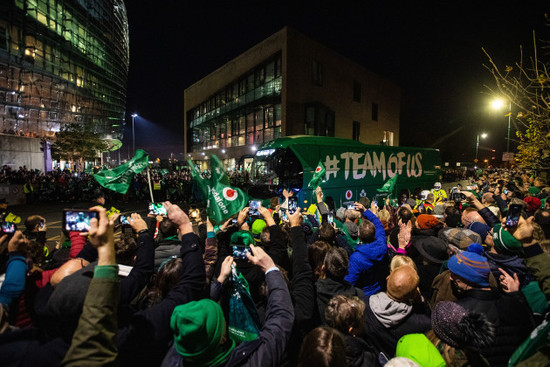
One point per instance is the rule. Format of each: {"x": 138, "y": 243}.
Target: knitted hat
{"x": 341, "y": 213}
{"x": 427, "y": 221}
{"x": 476, "y": 248}
{"x": 533, "y": 203}
{"x": 504, "y": 240}
{"x": 418, "y": 348}
{"x": 471, "y": 266}
{"x": 198, "y": 328}
{"x": 457, "y": 327}
{"x": 242, "y": 238}
{"x": 481, "y": 229}
{"x": 534, "y": 191}
{"x": 460, "y": 237}
{"x": 257, "y": 228}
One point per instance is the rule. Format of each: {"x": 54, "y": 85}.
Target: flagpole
{"x": 150, "y": 189}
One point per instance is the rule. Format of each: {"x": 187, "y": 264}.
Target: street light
{"x": 134, "y": 115}
{"x": 483, "y": 136}
{"x": 497, "y": 105}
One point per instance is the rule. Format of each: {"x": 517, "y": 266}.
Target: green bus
{"x": 353, "y": 169}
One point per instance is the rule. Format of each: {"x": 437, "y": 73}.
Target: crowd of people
{"x": 436, "y": 278}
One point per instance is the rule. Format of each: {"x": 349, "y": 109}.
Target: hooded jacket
{"x": 367, "y": 269}
{"x": 328, "y": 288}
{"x": 386, "y": 321}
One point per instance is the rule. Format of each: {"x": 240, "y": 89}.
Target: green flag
{"x": 199, "y": 180}
{"x": 224, "y": 201}
{"x": 318, "y": 176}
{"x": 118, "y": 179}
{"x": 218, "y": 172}
{"x": 389, "y": 185}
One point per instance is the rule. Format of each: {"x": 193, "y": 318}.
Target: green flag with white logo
{"x": 318, "y": 176}
{"x": 199, "y": 180}
{"x": 389, "y": 185}
{"x": 118, "y": 179}
{"x": 218, "y": 172}
{"x": 224, "y": 201}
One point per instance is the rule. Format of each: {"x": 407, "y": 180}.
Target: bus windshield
{"x": 278, "y": 168}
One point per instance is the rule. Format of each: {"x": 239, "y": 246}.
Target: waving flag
{"x": 318, "y": 176}
{"x": 118, "y": 179}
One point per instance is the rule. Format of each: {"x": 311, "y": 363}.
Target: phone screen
{"x": 157, "y": 209}
{"x": 239, "y": 252}
{"x": 8, "y": 228}
{"x": 42, "y": 224}
{"x": 292, "y": 204}
{"x": 78, "y": 220}
{"x": 512, "y": 219}
{"x": 330, "y": 218}
{"x": 285, "y": 216}
{"x": 253, "y": 207}
{"x": 124, "y": 219}
{"x": 351, "y": 206}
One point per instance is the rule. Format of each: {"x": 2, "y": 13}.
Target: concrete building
{"x": 61, "y": 62}
{"x": 287, "y": 85}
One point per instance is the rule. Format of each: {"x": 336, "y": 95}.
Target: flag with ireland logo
{"x": 318, "y": 176}
{"x": 222, "y": 200}
{"x": 118, "y": 179}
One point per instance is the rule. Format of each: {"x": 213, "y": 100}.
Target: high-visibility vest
{"x": 156, "y": 185}
{"x": 27, "y": 189}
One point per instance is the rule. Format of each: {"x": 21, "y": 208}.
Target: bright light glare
{"x": 134, "y": 115}
{"x": 484, "y": 135}
{"x": 497, "y": 104}
{"x": 253, "y": 148}
{"x": 223, "y": 151}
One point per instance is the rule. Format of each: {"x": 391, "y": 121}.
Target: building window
{"x": 356, "y": 130}
{"x": 356, "y": 91}
{"x": 388, "y": 138}
{"x": 374, "y": 111}
{"x": 3, "y": 39}
{"x": 317, "y": 74}
{"x": 319, "y": 120}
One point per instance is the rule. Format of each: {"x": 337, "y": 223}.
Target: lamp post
{"x": 497, "y": 105}
{"x": 134, "y": 115}
{"x": 483, "y": 136}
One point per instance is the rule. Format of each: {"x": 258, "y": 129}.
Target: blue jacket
{"x": 14, "y": 283}
{"x": 367, "y": 270}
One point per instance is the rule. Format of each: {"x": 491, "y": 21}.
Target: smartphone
{"x": 351, "y": 206}
{"x": 8, "y": 228}
{"x": 42, "y": 223}
{"x": 157, "y": 209}
{"x": 454, "y": 190}
{"x": 254, "y": 205}
{"x": 240, "y": 252}
{"x": 285, "y": 216}
{"x": 292, "y": 205}
{"x": 76, "y": 220}
{"x": 514, "y": 211}
{"x": 233, "y": 222}
{"x": 330, "y": 218}
{"x": 124, "y": 219}
{"x": 458, "y": 197}
{"x": 505, "y": 192}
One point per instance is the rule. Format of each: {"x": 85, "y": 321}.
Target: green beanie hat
{"x": 198, "y": 328}
{"x": 257, "y": 228}
{"x": 504, "y": 240}
{"x": 534, "y": 191}
{"x": 242, "y": 238}
{"x": 419, "y": 349}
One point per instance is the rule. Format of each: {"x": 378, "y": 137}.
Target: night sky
{"x": 431, "y": 49}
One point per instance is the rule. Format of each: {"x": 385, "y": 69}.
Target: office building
{"x": 61, "y": 62}
{"x": 286, "y": 85}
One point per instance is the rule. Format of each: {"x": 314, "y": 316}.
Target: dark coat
{"x": 328, "y": 288}
{"x": 509, "y": 313}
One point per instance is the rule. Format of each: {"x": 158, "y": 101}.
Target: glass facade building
{"x": 247, "y": 111}
{"x": 62, "y": 62}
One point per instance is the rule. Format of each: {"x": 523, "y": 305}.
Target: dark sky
{"x": 431, "y": 49}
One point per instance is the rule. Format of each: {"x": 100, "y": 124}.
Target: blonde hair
{"x": 400, "y": 260}
{"x": 384, "y": 215}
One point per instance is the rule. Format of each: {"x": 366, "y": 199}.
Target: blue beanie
{"x": 481, "y": 229}
{"x": 476, "y": 248}
{"x": 472, "y": 267}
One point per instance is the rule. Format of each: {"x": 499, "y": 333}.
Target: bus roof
{"x": 287, "y": 141}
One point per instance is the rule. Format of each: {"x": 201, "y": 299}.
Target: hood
{"x": 387, "y": 311}
{"x": 374, "y": 250}
{"x": 328, "y": 288}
